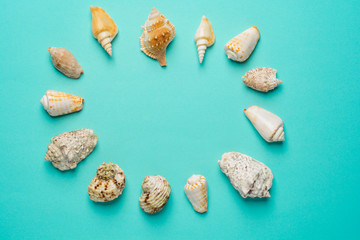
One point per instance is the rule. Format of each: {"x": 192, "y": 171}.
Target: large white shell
{"x": 261, "y": 79}
{"x": 196, "y": 191}
{"x": 66, "y": 150}
{"x": 270, "y": 126}
{"x": 240, "y": 47}
{"x": 250, "y": 177}
{"x": 108, "y": 183}
{"x": 64, "y": 61}
{"x": 59, "y": 103}
{"x": 204, "y": 37}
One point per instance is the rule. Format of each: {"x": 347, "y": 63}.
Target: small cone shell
{"x": 270, "y": 126}
{"x": 103, "y": 28}
{"x": 240, "y": 47}
{"x": 261, "y": 79}
{"x": 196, "y": 191}
{"x": 158, "y": 33}
{"x": 156, "y": 193}
{"x": 59, "y": 103}
{"x": 108, "y": 183}
{"x": 65, "y": 62}
{"x": 204, "y": 37}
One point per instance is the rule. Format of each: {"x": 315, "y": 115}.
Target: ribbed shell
{"x": 204, "y": 37}
{"x": 240, "y": 47}
{"x": 158, "y": 33}
{"x": 156, "y": 193}
{"x": 196, "y": 191}
{"x": 261, "y": 79}
{"x": 67, "y": 149}
{"x": 59, "y": 103}
{"x": 108, "y": 183}
{"x": 270, "y": 126}
{"x": 64, "y": 61}
{"x": 248, "y": 176}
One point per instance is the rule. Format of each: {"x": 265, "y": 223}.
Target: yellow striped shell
{"x": 196, "y": 191}
{"x": 59, "y": 103}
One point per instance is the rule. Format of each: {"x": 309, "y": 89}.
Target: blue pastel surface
{"x": 179, "y": 120}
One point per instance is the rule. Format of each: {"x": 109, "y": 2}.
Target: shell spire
{"x": 196, "y": 191}
{"x": 261, "y": 79}
{"x": 59, "y": 103}
{"x": 65, "y": 62}
{"x": 103, "y": 28}
{"x": 204, "y": 37}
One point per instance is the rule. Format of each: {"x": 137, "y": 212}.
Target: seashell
{"x": 108, "y": 183}
{"x": 158, "y": 33}
{"x": 240, "y": 47}
{"x": 270, "y": 126}
{"x": 249, "y": 177}
{"x": 261, "y": 79}
{"x": 66, "y": 150}
{"x": 196, "y": 191}
{"x": 59, "y": 103}
{"x": 103, "y": 28}
{"x": 156, "y": 193}
{"x": 204, "y": 37}
{"x": 65, "y": 62}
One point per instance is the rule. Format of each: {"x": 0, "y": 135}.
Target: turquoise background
{"x": 178, "y": 120}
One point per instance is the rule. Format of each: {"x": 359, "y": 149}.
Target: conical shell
{"x": 240, "y": 47}
{"x": 158, "y": 33}
{"x": 65, "y": 62}
{"x": 204, "y": 37}
{"x": 270, "y": 126}
{"x": 59, "y": 103}
{"x": 103, "y": 28}
{"x": 261, "y": 79}
{"x": 108, "y": 183}
{"x": 156, "y": 193}
{"x": 196, "y": 191}
{"x": 249, "y": 177}
{"x": 66, "y": 150}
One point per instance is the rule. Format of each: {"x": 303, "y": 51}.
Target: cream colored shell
{"x": 196, "y": 191}
{"x": 108, "y": 183}
{"x": 261, "y": 79}
{"x": 240, "y": 47}
{"x": 270, "y": 126}
{"x": 158, "y": 32}
{"x": 248, "y": 176}
{"x": 59, "y": 103}
{"x": 65, "y": 62}
{"x": 156, "y": 193}
{"x": 204, "y": 37}
{"x": 66, "y": 150}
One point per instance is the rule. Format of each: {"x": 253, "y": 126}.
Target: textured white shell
{"x": 261, "y": 79}
{"x": 64, "y": 61}
{"x": 156, "y": 193}
{"x": 66, "y": 150}
{"x": 59, "y": 103}
{"x": 250, "y": 177}
{"x": 204, "y": 37}
{"x": 103, "y": 189}
{"x": 240, "y": 47}
{"x": 270, "y": 126}
{"x": 196, "y": 191}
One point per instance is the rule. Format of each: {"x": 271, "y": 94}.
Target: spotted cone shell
{"x": 108, "y": 183}
{"x": 64, "y": 61}
{"x": 196, "y": 191}
{"x": 59, "y": 103}
{"x": 158, "y": 33}
{"x": 261, "y": 79}
{"x": 156, "y": 193}
{"x": 66, "y": 150}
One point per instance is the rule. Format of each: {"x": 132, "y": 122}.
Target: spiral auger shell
{"x": 204, "y": 37}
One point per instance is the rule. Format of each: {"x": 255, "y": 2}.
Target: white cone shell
{"x": 261, "y": 79}
{"x": 59, "y": 103}
{"x": 270, "y": 126}
{"x": 196, "y": 191}
{"x": 240, "y": 47}
{"x": 204, "y": 37}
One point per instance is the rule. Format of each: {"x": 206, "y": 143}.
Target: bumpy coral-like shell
{"x": 270, "y": 126}
{"x": 65, "y": 62}
{"x": 156, "y": 193}
{"x": 158, "y": 33}
{"x": 250, "y": 177}
{"x": 261, "y": 79}
{"x": 108, "y": 183}
{"x": 59, "y": 103}
{"x": 240, "y": 47}
{"x": 196, "y": 191}
{"x": 66, "y": 150}
{"x": 204, "y": 37}
{"x": 103, "y": 28}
